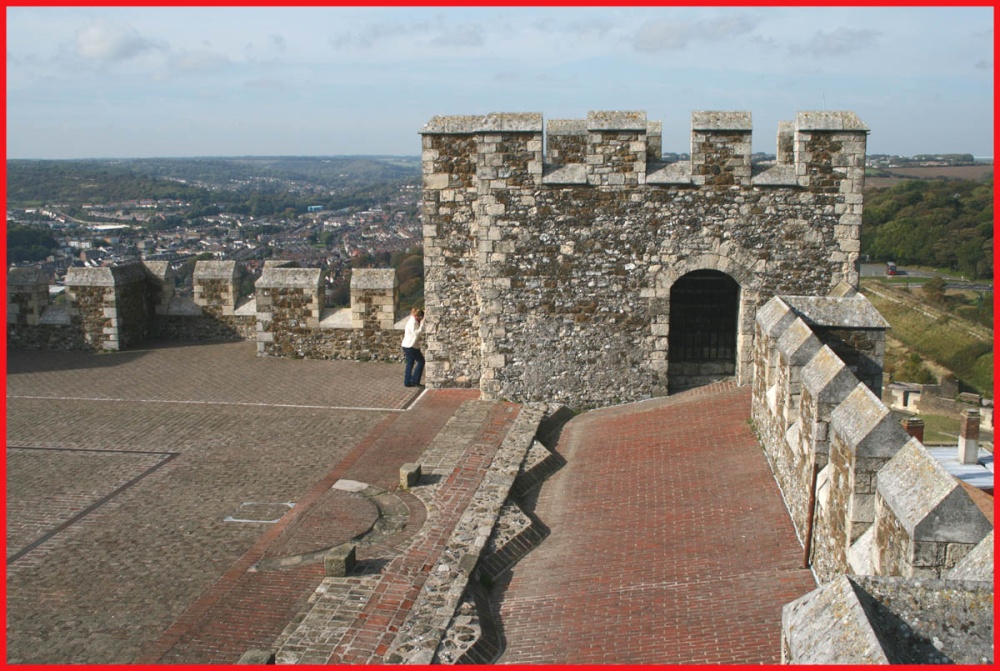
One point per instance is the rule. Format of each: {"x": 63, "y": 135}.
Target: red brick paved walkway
{"x": 670, "y": 543}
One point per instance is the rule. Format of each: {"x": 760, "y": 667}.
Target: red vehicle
{"x": 890, "y": 268}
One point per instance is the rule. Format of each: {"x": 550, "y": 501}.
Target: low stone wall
{"x": 451, "y": 619}
{"x": 181, "y": 324}
{"x": 291, "y": 321}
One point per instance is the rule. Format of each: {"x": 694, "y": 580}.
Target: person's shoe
{"x": 409, "y": 385}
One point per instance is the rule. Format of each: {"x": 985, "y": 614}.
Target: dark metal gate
{"x": 704, "y": 310}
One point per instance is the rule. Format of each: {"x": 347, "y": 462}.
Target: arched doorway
{"x": 704, "y": 323}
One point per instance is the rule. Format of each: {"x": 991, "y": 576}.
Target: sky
{"x": 131, "y": 82}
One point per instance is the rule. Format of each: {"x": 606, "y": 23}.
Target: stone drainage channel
{"x": 451, "y": 620}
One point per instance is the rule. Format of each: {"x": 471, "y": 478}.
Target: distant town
{"x": 242, "y": 209}
{"x": 104, "y": 232}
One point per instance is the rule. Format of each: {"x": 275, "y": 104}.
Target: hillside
{"x": 936, "y": 332}
{"x": 290, "y": 182}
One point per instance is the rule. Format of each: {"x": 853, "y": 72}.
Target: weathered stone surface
{"x": 409, "y": 475}
{"x": 373, "y": 278}
{"x": 978, "y": 564}
{"x": 927, "y": 499}
{"x": 829, "y": 626}
{"x": 868, "y": 620}
{"x": 257, "y": 657}
{"x": 867, "y": 426}
{"x": 340, "y": 560}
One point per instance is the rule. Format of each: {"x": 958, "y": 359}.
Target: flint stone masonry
{"x": 291, "y": 320}
{"x": 549, "y": 262}
{"x": 374, "y": 298}
{"x": 214, "y": 287}
{"x": 852, "y": 328}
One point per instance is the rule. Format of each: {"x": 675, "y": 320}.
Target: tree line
{"x": 937, "y": 223}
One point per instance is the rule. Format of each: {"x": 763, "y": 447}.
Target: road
{"x": 953, "y": 282}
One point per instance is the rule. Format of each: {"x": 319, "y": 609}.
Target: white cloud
{"x": 371, "y": 34}
{"x": 839, "y": 42}
{"x": 198, "y": 61}
{"x": 113, "y": 42}
{"x": 667, "y": 35}
{"x": 468, "y": 35}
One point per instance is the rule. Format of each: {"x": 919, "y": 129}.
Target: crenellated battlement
{"x": 550, "y": 244}
{"x": 117, "y": 307}
{"x": 616, "y": 148}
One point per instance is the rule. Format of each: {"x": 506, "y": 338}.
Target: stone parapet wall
{"x": 119, "y": 307}
{"x": 215, "y": 287}
{"x": 926, "y": 523}
{"x": 27, "y": 296}
{"x": 374, "y": 298}
{"x": 113, "y": 306}
{"x": 187, "y": 327}
{"x": 549, "y": 268}
{"x": 894, "y": 540}
{"x": 291, "y": 321}
{"x": 865, "y": 497}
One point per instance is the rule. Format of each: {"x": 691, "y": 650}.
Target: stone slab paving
{"x": 127, "y": 466}
{"x": 251, "y": 604}
{"x": 669, "y": 542}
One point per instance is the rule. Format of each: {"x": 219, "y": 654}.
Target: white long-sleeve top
{"x": 412, "y": 333}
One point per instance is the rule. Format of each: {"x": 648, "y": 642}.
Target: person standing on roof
{"x": 414, "y": 357}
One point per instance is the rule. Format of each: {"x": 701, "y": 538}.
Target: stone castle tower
{"x": 575, "y": 266}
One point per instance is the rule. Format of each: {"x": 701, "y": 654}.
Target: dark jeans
{"x": 414, "y": 366}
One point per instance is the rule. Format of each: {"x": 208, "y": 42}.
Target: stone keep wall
{"x": 548, "y": 268}
{"x": 864, "y": 497}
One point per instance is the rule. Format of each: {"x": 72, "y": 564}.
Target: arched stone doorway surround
{"x": 664, "y": 281}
